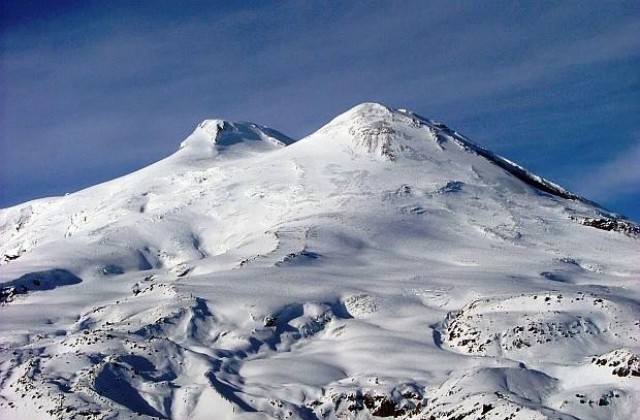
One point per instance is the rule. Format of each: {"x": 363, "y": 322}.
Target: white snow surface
{"x": 383, "y": 266}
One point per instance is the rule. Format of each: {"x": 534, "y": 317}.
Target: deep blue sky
{"x": 93, "y": 90}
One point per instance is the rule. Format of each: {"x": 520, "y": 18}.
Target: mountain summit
{"x": 383, "y": 266}
{"x": 225, "y": 137}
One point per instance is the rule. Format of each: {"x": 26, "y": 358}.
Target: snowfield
{"x": 383, "y": 266}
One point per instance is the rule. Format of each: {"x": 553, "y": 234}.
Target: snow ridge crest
{"x": 226, "y": 137}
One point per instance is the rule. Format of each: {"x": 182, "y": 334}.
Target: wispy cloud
{"x": 616, "y": 178}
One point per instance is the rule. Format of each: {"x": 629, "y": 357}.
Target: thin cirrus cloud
{"x": 618, "y": 177}
{"x": 93, "y": 91}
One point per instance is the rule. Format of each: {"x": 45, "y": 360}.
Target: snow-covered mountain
{"x": 385, "y": 265}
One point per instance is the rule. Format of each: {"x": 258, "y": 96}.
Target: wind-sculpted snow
{"x": 500, "y": 393}
{"x": 535, "y": 324}
{"x": 383, "y": 266}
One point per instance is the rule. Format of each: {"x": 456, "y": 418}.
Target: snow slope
{"x": 384, "y": 265}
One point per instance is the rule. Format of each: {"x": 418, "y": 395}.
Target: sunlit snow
{"x": 383, "y": 266}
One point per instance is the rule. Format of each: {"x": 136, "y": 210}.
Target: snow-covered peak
{"x": 364, "y": 113}
{"x": 392, "y": 134}
{"x": 218, "y": 136}
{"x": 384, "y": 266}
{"x": 365, "y": 128}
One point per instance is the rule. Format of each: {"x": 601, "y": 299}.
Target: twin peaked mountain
{"x": 369, "y": 127}
{"x": 384, "y": 265}
{"x": 223, "y": 167}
